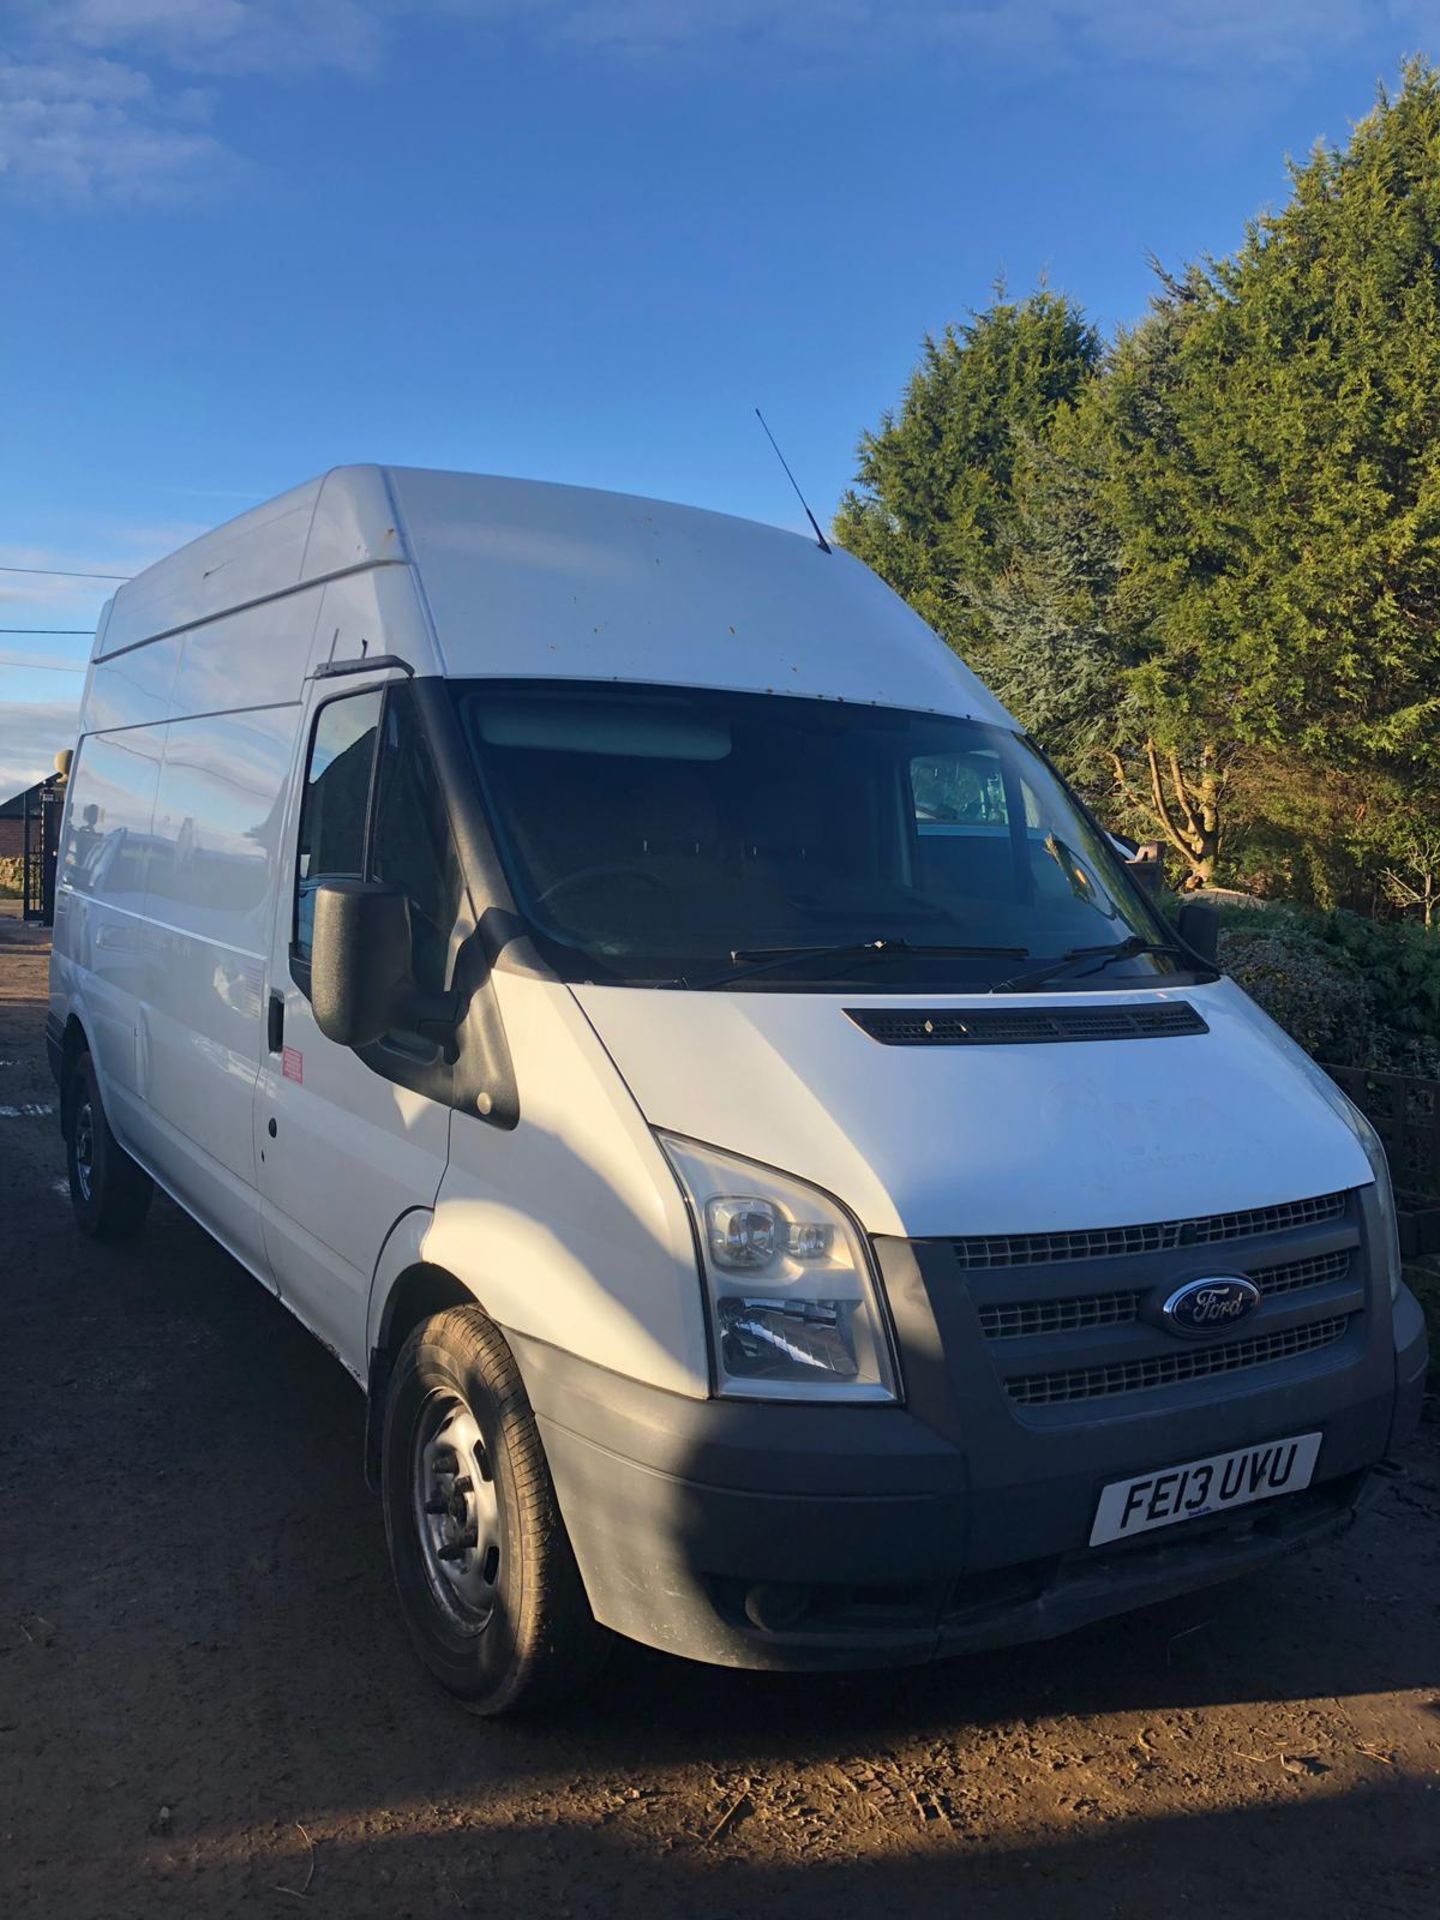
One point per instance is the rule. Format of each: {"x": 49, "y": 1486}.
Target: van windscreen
{"x": 653, "y": 834}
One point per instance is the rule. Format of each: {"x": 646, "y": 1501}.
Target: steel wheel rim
{"x": 457, "y": 1512}
{"x": 85, "y": 1149}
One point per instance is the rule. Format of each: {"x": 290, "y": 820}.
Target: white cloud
{"x": 99, "y": 98}
{"x": 1128, "y": 33}
{"x": 230, "y": 37}
{"x": 92, "y": 126}
{"x": 30, "y": 738}
{"x": 110, "y": 98}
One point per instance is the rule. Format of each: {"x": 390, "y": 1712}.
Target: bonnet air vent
{"x": 1024, "y": 1026}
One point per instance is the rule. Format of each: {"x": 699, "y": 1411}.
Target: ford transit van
{"x": 786, "y": 1193}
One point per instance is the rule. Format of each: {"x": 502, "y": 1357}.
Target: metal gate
{"x": 43, "y": 808}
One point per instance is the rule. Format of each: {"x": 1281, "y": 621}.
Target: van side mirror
{"x": 1147, "y": 869}
{"x": 361, "y": 986}
{"x": 1198, "y": 925}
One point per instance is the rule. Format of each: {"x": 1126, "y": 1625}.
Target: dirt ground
{"x": 207, "y": 1705}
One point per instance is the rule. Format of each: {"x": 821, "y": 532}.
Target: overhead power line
{"x": 39, "y": 666}
{"x": 66, "y": 573}
{"x": 74, "y": 632}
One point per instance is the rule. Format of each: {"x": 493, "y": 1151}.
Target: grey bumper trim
{"x": 900, "y": 1545}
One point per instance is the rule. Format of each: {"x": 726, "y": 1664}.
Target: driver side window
{"x": 373, "y": 810}
{"x": 336, "y": 803}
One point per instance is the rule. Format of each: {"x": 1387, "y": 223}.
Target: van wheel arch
{"x": 419, "y": 1291}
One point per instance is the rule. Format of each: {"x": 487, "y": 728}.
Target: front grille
{"x": 1024, "y": 1026}
{"x": 982, "y": 1251}
{"x": 1014, "y": 1319}
{"x": 1315, "y": 1272}
{"x": 1173, "y": 1369}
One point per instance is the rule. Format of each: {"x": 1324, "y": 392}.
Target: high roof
{"x": 528, "y": 579}
{"x": 524, "y": 578}
{"x": 328, "y": 526}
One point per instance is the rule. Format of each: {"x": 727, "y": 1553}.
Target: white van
{"x": 624, "y": 984}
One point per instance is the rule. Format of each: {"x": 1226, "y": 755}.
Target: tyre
{"x": 483, "y": 1566}
{"x": 110, "y": 1194}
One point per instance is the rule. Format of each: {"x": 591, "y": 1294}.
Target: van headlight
{"x": 1384, "y": 1196}
{"x": 794, "y": 1303}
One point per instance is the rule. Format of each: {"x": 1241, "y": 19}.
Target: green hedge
{"x": 1352, "y": 991}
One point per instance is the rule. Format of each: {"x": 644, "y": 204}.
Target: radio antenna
{"x": 825, "y": 546}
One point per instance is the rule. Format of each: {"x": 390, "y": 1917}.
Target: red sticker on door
{"x": 292, "y": 1065}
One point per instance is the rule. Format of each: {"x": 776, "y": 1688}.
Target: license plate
{"x": 1214, "y": 1485}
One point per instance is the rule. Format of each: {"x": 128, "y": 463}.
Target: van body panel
{"x": 371, "y": 611}
{"x": 254, "y": 658}
{"x": 405, "y": 1247}
{"x": 351, "y": 1151}
{"x": 102, "y": 935}
{"x": 353, "y": 524}
{"x": 215, "y": 863}
{"x": 250, "y": 558}
{"x": 571, "y": 1229}
{"x": 219, "y": 706}
{"x": 343, "y": 521}
{"x": 528, "y": 579}
{"x": 347, "y": 1162}
{"x": 984, "y": 1139}
{"x": 134, "y": 689}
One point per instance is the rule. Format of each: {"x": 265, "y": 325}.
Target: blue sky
{"x": 576, "y": 239}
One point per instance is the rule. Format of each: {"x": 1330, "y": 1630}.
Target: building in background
{"x": 12, "y": 820}
{"x": 29, "y": 843}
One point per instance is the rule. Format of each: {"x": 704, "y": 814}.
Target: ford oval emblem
{"x": 1210, "y": 1305}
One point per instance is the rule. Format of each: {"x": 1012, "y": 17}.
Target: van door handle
{"x": 275, "y": 1023}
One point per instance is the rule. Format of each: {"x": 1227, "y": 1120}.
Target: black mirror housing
{"x": 359, "y": 960}
{"x": 1198, "y": 925}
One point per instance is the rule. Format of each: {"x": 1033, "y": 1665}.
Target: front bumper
{"x": 809, "y": 1537}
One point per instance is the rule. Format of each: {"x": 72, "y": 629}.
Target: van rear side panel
{"x": 168, "y": 881}
{"x": 209, "y": 906}
{"x": 100, "y": 930}
{"x": 210, "y": 891}
{"x": 132, "y": 689}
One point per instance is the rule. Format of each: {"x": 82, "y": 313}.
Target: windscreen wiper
{"x": 1105, "y": 956}
{"x": 748, "y": 961}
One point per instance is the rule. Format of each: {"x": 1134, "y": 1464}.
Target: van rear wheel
{"x": 111, "y": 1195}
{"x": 483, "y": 1566}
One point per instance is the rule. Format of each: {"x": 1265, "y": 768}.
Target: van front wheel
{"x": 483, "y": 1566}
{"x": 110, "y": 1194}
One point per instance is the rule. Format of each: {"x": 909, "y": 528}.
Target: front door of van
{"x": 342, "y": 1148}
